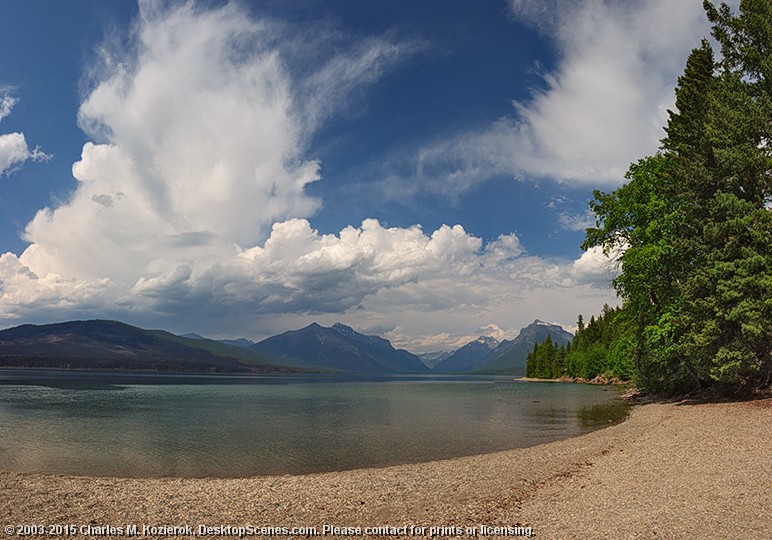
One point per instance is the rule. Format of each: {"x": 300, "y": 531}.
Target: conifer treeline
{"x": 604, "y": 347}
{"x": 691, "y": 231}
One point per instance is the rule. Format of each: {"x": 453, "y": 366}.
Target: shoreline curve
{"x": 669, "y": 470}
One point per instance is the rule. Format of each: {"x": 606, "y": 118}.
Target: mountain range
{"x": 511, "y": 355}
{"x": 339, "y": 348}
{"x": 467, "y": 357}
{"x": 100, "y": 344}
{"x": 489, "y": 356}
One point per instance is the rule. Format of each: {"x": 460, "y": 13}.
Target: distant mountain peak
{"x": 468, "y": 356}
{"x": 510, "y": 356}
{"x": 539, "y": 326}
{"x": 431, "y": 359}
{"x": 344, "y": 330}
{"x": 339, "y": 347}
{"x": 488, "y": 341}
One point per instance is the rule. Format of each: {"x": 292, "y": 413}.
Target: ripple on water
{"x": 119, "y": 428}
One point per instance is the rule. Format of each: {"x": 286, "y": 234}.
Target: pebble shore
{"x": 670, "y": 471}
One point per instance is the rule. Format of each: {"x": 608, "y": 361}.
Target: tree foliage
{"x": 693, "y": 223}
{"x": 603, "y": 347}
{"x": 546, "y": 360}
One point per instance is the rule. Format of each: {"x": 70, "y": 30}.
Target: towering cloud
{"x": 191, "y": 209}
{"x": 197, "y": 148}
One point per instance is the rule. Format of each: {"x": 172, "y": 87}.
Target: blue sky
{"x": 418, "y": 170}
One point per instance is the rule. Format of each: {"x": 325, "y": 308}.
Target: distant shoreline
{"x": 578, "y": 380}
{"x": 670, "y": 470}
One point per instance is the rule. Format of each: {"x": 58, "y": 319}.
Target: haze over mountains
{"x": 431, "y": 359}
{"x": 469, "y": 356}
{"x": 113, "y": 345}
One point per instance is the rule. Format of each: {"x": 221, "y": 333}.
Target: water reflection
{"x": 593, "y": 416}
{"x": 110, "y": 424}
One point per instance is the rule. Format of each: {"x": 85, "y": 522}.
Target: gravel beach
{"x": 669, "y": 471}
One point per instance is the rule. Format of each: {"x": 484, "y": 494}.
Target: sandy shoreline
{"x": 669, "y": 471}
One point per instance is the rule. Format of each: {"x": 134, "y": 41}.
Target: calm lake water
{"x": 110, "y": 424}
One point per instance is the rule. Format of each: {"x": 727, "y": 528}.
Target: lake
{"x": 140, "y": 425}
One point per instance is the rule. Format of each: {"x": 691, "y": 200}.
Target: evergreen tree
{"x": 546, "y": 361}
{"x": 694, "y": 224}
{"x": 601, "y": 348}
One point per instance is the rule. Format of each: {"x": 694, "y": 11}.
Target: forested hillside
{"x": 692, "y": 230}
{"x": 604, "y": 347}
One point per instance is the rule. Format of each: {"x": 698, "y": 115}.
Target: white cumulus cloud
{"x": 14, "y": 150}
{"x": 596, "y": 268}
